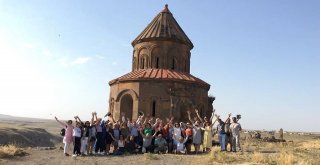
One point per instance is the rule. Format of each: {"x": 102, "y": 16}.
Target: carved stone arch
{"x": 157, "y": 57}
{"x": 111, "y": 105}
{"x": 143, "y": 57}
{"x": 154, "y": 106}
{"x": 173, "y": 61}
{"x": 134, "y": 60}
{"x": 133, "y": 94}
{"x": 126, "y": 102}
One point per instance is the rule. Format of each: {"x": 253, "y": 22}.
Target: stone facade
{"x": 161, "y": 54}
{"x": 160, "y": 84}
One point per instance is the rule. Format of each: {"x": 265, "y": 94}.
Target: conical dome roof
{"x": 163, "y": 27}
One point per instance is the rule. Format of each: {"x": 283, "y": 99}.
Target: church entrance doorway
{"x": 126, "y": 106}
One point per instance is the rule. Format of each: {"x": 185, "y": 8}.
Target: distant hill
{"x": 15, "y": 118}
{"x": 29, "y": 132}
{"x": 5, "y": 116}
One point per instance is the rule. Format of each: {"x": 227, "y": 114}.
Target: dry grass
{"x": 285, "y": 158}
{"x": 260, "y": 158}
{"x": 10, "y": 151}
{"x": 149, "y": 156}
{"x": 303, "y": 152}
{"x": 311, "y": 144}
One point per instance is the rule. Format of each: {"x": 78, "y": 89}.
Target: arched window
{"x": 173, "y": 65}
{"x": 157, "y": 62}
{"x": 142, "y": 63}
{"x": 153, "y": 108}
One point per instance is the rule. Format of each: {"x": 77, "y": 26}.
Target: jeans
{"x": 222, "y": 141}
{"x": 120, "y": 151}
{"x": 77, "y": 145}
{"x": 99, "y": 143}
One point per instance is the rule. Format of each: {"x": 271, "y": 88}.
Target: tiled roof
{"x": 163, "y": 27}
{"x": 159, "y": 74}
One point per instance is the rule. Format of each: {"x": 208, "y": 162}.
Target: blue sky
{"x": 262, "y": 58}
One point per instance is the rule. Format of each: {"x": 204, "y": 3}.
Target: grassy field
{"x": 24, "y": 137}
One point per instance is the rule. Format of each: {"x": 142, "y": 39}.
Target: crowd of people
{"x": 98, "y": 136}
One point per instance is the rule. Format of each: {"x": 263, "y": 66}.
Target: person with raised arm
{"x": 147, "y": 139}
{"x": 177, "y": 132}
{"x": 221, "y": 133}
{"x": 124, "y": 129}
{"x": 108, "y": 138}
{"x": 197, "y": 137}
{"x": 116, "y": 132}
{"x": 207, "y": 135}
{"x": 77, "y": 138}
{"x": 180, "y": 149}
{"x": 235, "y": 128}
{"x": 92, "y": 136}
{"x": 169, "y": 128}
{"x": 85, "y": 133}
{"x": 134, "y": 130}
{"x": 189, "y": 117}
{"x": 228, "y": 133}
{"x": 67, "y": 138}
{"x": 120, "y": 145}
{"x": 99, "y": 146}
{"x": 198, "y": 115}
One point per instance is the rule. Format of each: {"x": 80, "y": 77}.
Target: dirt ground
{"x": 54, "y": 157}
{"x": 304, "y": 152}
{"x": 300, "y": 148}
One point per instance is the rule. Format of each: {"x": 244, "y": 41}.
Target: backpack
{"x": 62, "y": 131}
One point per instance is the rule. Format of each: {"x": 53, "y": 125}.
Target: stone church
{"x": 160, "y": 83}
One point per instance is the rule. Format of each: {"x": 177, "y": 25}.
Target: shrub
{"x": 9, "y": 151}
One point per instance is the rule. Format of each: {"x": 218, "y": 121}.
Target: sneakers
{"x": 74, "y": 155}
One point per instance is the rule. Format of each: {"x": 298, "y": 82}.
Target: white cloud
{"x": 47, "y": 53}
{"x": 65, "y": 61}
{"x": 28, "y": 45}
{"x": 80, "y": 60}
{"x": 100, "y": 57}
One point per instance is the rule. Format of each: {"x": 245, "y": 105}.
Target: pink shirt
{"x": 68, "y": 135}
